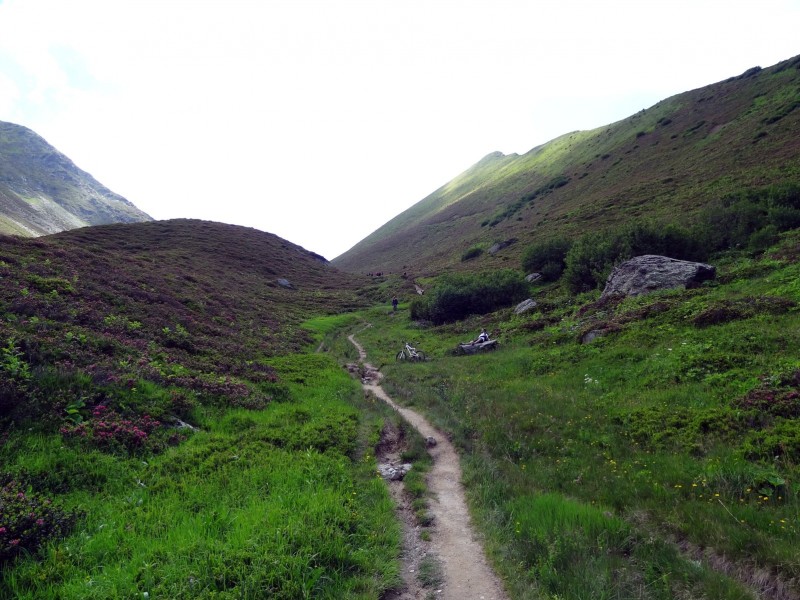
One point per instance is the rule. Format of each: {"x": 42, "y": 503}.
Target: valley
{"x": 182, "y": 414}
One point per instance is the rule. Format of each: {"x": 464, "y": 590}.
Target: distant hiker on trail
{"x": 482, "y": 337}
{"x": 394, "y": 303}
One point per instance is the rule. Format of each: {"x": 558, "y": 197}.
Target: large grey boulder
{"x": 647, "y": 273}
{"x": 525, "y": 306}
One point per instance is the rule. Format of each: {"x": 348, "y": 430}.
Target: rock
{"x": 353, "y": 368}
{"x": 285, "y": 283}
{"x": 393, "y": 473}
{"x": 649, "y": 272}
{"x": 430, "y": 441}
{"x": 531, "y": 277}
{"x": 524, "y": 306}
{"x": 500, "y": 245}
{"x": 591, "y": 335}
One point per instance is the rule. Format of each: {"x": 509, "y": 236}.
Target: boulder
{"x": 524, "y": 306}
{"x": 284, "y": 283}
{"x": 531, "y": 277}
{"x": 501, "y": 245}
{"x": 647, "y": 273}
{"x": 392, "y": 472}
{"x": 592, "y": 335}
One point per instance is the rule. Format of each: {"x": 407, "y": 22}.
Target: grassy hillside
{"x": 663, "y": 163}
{"x": 660, "y": 460}
{"x": 167, "y": 429}
{"x": 164, "y": 430}
{"x": 42, "y": 191}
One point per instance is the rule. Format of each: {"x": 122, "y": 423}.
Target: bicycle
{"x": 410, "y": 353}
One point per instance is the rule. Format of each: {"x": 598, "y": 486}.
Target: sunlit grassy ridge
{"x": 658, "y": 461}
{"x": 664, "y": 163}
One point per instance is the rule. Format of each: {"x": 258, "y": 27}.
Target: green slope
{"x": 663, "y": 163}
{"x": 114, "y": 338}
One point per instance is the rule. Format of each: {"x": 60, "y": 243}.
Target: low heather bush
{"x": 108, "y": 430}
{"x": 28, "y": 519}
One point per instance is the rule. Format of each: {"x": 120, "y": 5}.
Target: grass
{"x": 658, "y": 461}
{"x": 272, "y": 493}
{"x": 619, "y": 468}
{"x": 255, "y": 503}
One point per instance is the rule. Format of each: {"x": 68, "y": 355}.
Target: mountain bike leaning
{"x": 410, "y": 353}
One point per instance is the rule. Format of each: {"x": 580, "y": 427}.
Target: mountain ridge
{"x": 42, "y": 191}
{"x": 665, "y": 163}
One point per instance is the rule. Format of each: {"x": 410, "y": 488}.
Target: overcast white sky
{"x": 321, "y": 120}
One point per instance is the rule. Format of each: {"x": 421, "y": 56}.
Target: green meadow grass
{"x": 281, "y": 503}
{"x": 588, "y": 466}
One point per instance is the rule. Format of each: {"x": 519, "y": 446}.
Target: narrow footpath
{"x": 466, "y": 573}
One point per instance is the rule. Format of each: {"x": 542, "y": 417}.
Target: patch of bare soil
{"x": 415, "y": 549}
{"x": 465, "y": 571}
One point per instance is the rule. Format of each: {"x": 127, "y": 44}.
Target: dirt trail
{"x": 467, "y": 574}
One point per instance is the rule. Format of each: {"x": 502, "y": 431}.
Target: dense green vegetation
{"x": 661, "y": 460}
{"x": 547, "y": 258}
{"x": 164, "y": 431}
{"x": 459, "y": 295}
{"x": 277, "y": 502}
{"x": 750, "y": 220}
{"x": 658, "y": 461}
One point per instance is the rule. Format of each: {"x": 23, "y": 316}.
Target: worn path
{"x": 467, "y": 575}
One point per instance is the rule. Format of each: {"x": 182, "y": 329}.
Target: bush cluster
{"x": 750, "y": 220}
{"x": 459, "y": 295}
{"x": 589, "y": 261}
{"x": 108, "y": 430}
{"x": 547, "y": 258}
{"x": 28, "y": 519}
{"x": 471, "y": 253}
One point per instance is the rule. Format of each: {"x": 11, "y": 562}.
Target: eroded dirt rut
{"x": 466, "y": 572}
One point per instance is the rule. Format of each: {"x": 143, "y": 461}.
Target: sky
{"x": 319, "y": 121}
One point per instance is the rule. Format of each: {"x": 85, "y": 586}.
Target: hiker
{"x": 483, "y": 336}
{"x": 394, "y": 304}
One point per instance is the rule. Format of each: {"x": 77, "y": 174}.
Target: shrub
{"x": 460, "y": 295}
{"x": 547, "y": 258}
{"x": 12, "y": 362}
{"x": 108, "y": 430}
{"x": 750, "y": 218}
{"x": 589, "y": 261}
{"x": 28, "y": 519}
{"x": 473, "y": 252}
